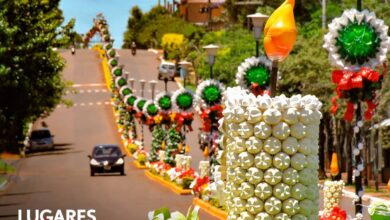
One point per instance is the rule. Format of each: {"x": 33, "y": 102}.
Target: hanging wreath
{"x": 183, "y": 100}
{"x": 125, "y": 90}
{"x": 107, "y": 46}
{"x": 357, "y": 39}
{"x": 129, "y": 100}
{"x": 117, "y": 71}
{"x": 150, "y": 109}
{"x": 120, "y": 81}
{"x": 254, "y": 74}
{"x": 164, "y": 102}
{"x": 209, "y": 93}
{"x": 111, "y": 53}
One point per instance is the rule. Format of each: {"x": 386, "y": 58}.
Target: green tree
{"x": 134, "y": 24}
{"x": 31, "y": 84}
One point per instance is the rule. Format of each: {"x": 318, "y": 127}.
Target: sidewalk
{"x": 382, "y": 196}
{"x": 9, "y": 172}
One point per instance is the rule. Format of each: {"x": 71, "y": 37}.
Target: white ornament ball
{"x": 298, "y": 130}
{"x": 273, "y": 206}
{"x": 253, "y": 114}
{"x": 298, "y": 161}
{"x": 247, "y": 190}
{"x": 263, "y": 160}
{"x": 263, "y": 191}
{"x": 263, "y": 216}
{"x": 290, "y": 176}
{"x": 291, "y": 206}
{"x": 239, "y": 175}
{"x": 246, "y": 159}
{"x": 281, "y": 130}
{"x": 253, "y": 145}
{"x": 273, "y": 176}
{"x": 281, "y": 161}
{"x": 298, "y": 191}
{"x": 290, "y": 146}
{"x": 272, "y": 116}
{"x": 245, "y": 129}
{"x": 254, "y": 175}
{"x": 262, "y": 130}
{"x": 290, "y": 116}
{"x": 282, "y": 191}
{"x": 282, "y": 216}
{"x": 272, "y": 145}
{"x": 254, "y": 205}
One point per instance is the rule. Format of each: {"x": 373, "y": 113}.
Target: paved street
{"x": 60, "y": 179}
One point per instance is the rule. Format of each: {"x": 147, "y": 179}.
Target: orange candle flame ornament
{"x": 280, "y": 32}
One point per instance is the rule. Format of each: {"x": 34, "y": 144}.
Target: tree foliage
{"x": 31, "y": 84}
{"x": 147, "y": 30}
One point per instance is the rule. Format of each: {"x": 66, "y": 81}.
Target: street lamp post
{"x": 258, "y": 20}
{"x": 152, "y": 87}
{"x": 142, "y": 82}
{"x": 184, "y": 67}
{"x": 211, "y": 51}
{"x": 131, "y": 82}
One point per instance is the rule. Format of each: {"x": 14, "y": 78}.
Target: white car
{"x": 166, "y": 70}
{"x": 41, "y": 139}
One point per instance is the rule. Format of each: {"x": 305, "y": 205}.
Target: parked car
{"x": 166, "y": 70}
{"x": 107, "y": 159}
{"x": 41, "y": 139}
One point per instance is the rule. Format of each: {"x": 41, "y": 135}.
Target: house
{"x": 201, "y": 11}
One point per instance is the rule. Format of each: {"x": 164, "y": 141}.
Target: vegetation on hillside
{"x": 31, "y": 84}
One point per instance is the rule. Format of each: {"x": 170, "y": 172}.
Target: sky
{"x": 115, "y": 11}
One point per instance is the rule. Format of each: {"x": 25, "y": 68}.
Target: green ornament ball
{"x": 211, "y": 94}
{"x": 165, "y": 102}
{"x": 114, "y": 63}
{"x": 108, "y": 46}
{"x": 126, "y": 92}
{"x": 131, "y": 100}
{"x": 152, "y": 109}
{"x": 107, "y": 38}
{"x": 141, "y": 104}
{"x": 118, "y": 72}
{"x": 357, "y": 42}
{"x": 184, "y": 100}
{"x": 259, "y": 75}
{"x": 121, "y": 82}
{"x": 112, "y": 53}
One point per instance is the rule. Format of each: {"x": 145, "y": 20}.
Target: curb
{"x": 210, "y": 209}
{"x": 138, "y": 165}
{"x": 176, "y": 189}
{"x": 365, "y": 198}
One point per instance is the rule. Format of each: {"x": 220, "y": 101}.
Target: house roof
{"x": 205, "y": 1}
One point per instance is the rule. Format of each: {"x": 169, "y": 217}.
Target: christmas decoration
{"x": 254, "y": 75}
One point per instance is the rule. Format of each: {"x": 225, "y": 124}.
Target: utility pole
{"x": 323, "y": 14}
{"x": 209, "y": 11}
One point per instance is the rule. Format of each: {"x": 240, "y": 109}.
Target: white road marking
{"x": 107, "y": 103}
{"x": 81, "y": 91}
{"x": 82, "y": 104}
{"x": 91, "y": 103}
{"x": 98, "y": 103}
{"x": 89, "y": 85}
{"x": 89, "y": 91}
{"x": 97, "y": 90}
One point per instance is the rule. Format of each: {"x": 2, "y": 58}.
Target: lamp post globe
{"x": 211, "y": 51}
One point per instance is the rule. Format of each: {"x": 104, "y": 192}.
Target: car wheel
{"x": 159, "y": 77}
{"x": 123, "y": 171}
{"x": 92, "y": 173}
{"x": 172, "y": 79}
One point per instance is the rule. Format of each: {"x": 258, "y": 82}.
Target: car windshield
{"x": 168, "y": 67}
{"x": 40, "y": 134}
{"x": 106, "y": 151}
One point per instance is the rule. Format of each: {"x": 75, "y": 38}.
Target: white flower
{"x": 199, "y": 92}
{"x": 179, "y": 92}
{"x": 248, "y": 64}
{"x": 353, "y": 15}
{"x": 161, "y": 95}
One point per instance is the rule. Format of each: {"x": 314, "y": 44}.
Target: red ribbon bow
{"x": 200, "y": 182}
{"x": 347, "y": 80}
{"x": 335, "y": 214}
{"x": 188, "y": 173}
{"x": 207, "y": 120}
{"x": 184, "y": 118}
{"x": 257, "y": 90}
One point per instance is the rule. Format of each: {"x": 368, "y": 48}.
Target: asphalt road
{"x": 60, "y": 179}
